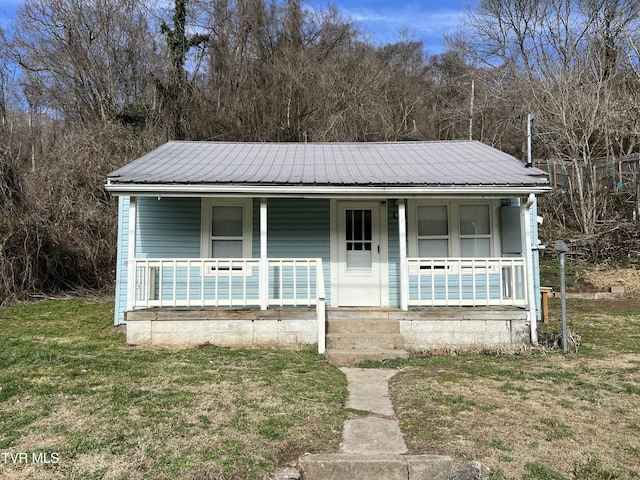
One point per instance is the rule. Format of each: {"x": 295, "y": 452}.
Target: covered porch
{"x": 277, "y": 254}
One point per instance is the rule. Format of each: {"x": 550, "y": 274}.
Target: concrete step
{"x": 340, "y": 466}
{"x": 360, "y": 313}
{"x": 362, "y": 325}
{"x": 364, "y": 341}
{"x": 353, "y": 357}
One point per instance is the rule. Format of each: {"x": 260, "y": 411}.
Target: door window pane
{"x": 357, "y": 225}
{"x": 359, "y": 238}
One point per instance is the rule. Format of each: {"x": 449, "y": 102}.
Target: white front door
{"x": 359, "y": 254}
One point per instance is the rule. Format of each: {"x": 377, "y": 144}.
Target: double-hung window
{"x": 450, "y": 230}
{"x": 475, "y": 230}
{"x": 433, "y": 231}
{"x": 226, "y": 231}
{"x": 226, "y": 228}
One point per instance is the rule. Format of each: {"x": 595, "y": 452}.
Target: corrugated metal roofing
{"x": 447, "y": 163}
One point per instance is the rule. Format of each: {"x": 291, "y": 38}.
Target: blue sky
{"x": 384, "y": 20}
{"x": 381, "y": 20}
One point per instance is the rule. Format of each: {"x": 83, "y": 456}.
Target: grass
{"x": 72, "y": 390}
{"x": 534, "y": 416}
{"x": 70, "y": 386}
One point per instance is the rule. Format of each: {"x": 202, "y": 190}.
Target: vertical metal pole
{"x": 530, "y": 118}
{"x": 473, "y": 88}
{"x": 564, "y": 304}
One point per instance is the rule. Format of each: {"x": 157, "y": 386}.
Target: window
{"x": 475, "y": 231}
{"x": 433, "y": 231}
{"x": 226, "y": 228}
{"x": 451, "y": 229}
{"x": 226, "y": 231}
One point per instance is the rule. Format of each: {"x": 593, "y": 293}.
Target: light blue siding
{"x": 168, "y": 228}
{"x": 297, "y": 228}
{"x": 453, "y": 287}
{"x": 394, "y": 254}
{"x": 121, "y": 260}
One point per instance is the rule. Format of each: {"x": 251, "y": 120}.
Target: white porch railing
{"x": 213, "y": 282}
{"x": 466, "y": 282}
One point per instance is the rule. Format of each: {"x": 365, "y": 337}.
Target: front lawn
{"x": 82, "y": 404}
{"x": 535, "y": 416}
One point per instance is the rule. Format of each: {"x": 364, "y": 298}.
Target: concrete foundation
{"x": 225, "y": 328}
{"x": 463, "y": 328}
{"x": 416, "y": 330}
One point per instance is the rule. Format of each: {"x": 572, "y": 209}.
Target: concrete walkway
{"x": 369, "y": 391}
{"x": 372, "y": 447}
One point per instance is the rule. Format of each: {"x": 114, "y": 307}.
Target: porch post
{"x": 404, "y": 273}
{"x": 264, "y": 263}
{"x": 131, "y": 253}
{"x": 528, "y": 261}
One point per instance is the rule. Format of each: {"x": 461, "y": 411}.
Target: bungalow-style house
{"x": 368, "y": 249}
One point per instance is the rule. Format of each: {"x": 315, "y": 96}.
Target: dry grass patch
{"x": 535, "y": 416}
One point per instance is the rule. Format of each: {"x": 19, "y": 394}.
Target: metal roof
{"x": 393, "y": 164}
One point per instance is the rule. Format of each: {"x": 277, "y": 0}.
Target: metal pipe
{"x": 563, "y": 298}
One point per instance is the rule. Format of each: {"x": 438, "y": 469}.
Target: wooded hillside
{"x": 88, "y": 85}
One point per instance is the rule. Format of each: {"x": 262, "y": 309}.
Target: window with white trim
{"x": 433, "y": 231}
{"x": 451, "y": 229}
{"x": 475, "y": 230}
{"x": 226, "y": 228}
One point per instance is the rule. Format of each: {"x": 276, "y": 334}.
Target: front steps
{"x": 341, "y": 466}
{"x": 355, "y": 335}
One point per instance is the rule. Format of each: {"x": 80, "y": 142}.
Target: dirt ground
{"x": 603, "y": 280}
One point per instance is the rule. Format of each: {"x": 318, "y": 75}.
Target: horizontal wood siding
{"x": 298, "y": 228}
{"x": 394, "y": 254}
{"x": 448, "y": 287}
{"x": 122, "y": 262}
{"x": 168, "y": 228}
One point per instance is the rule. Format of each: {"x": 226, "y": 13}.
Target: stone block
{"x": 139, "y": 332}
{"x": 617, "y": 292}
{"x": 429, "y": 467}
{"x": 342, "y": 466}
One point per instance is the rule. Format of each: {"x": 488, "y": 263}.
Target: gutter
{"x": 382, "y": 192}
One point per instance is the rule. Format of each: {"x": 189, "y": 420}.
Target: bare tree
{"x": 87, "y": 59}
{"x": 564, "y": 60}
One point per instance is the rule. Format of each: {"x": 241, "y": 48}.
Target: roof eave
{"x": 369, "y": 191}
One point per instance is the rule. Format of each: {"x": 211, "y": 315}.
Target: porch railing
{"x": 466, "y": 281}
{"x": 237, "y": 282}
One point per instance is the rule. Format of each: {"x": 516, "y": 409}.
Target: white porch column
{"x": 525, "y": 209}
{"x": 264, "y": 263}
{"x": 404, "y": 273}
{"x": 131, "y": 253}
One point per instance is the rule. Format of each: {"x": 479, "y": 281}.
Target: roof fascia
{"x": 186, "y": 190}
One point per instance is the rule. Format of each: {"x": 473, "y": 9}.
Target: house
{"x": 432, "y": 244}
